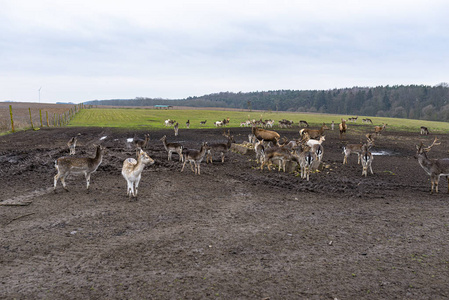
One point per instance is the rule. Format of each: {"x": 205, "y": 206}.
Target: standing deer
{"x": 77, "y": 165}
{"x": 132, "y": 171}
{"x": 260, "y": 151}
{"x": 378, "y": 129}
{"x": 424, "y": 130}
{"x": 356, "y": 149}
{"x": 434, "y": 167}
{"x": 142, "y": 144}
{"x": 367, "y": 159}
{"x": 343, "y": 128}
{"x": 314, "y": 133}
{"x": 306, "y": 159}
{"x": 188, "y": 124}
{"x": 72, "y": 144}
{"x": 220, "y": 147}
{"x": 196, "y": 157}
{"x": 172, "y": 147}
{"x": 266, "y": 135}
{"x": 176, "y": 128}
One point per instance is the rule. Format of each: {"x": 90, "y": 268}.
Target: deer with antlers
{"x": 434, "y": 167}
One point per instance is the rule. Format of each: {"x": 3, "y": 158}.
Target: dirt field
{"x": 233, "y": 232}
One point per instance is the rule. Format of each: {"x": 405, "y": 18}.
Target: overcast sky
{"x": 86, "y": 50}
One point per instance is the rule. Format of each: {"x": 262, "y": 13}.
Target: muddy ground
{"x": 233, "y": 232}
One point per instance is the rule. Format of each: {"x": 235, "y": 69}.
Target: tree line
{"x": 399, "y": 101}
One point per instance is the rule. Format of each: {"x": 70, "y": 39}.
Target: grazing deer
{"x": 176, "y": 128}
{"x": 218, "y": 123}
{"x": 203, "y": 122}
{"x": 188, "y": 124}
{"x": 196, "y": 157}
{"x": 169, "y": 122}
{"x": 367, "y": 159}
{"x": 220, "y": 147}
{"x": 343, "y": 127}
{"x": 434, "y": 167}
{"x": 424, "y": 131}
{"x": 266, "y": 135}
{"x": 172, "y": 147}
{"x": 72, "y": 144}
{"x": 303, "y": 123}
{"x": 314, "y": 133}
{"x": 356, "y": 149}
{"x": 77, "y": 165}
{"x": 367, "y": 121}
{"x": 132, "y": 171}
{"x": 142, "y": 144}
{"x": 378, "y": 129}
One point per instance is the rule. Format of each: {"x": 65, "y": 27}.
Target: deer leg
{"x": 87, "y": 181}
{"x": 183, "y": 165}
{"x": 169, "y": 155}
{"x": 191, "y": 166}
{"x": 63, "y": 182}
{"x": 222, "y": 157}
{"x": 56, "y": 181}
{"x": 371, "y": 168}
{"x": 345, "y": 159}
{"x": 136, "y": 186}
{"x": 358, "y": 158}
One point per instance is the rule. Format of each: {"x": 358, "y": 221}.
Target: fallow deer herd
{"x": 306, "y": 152}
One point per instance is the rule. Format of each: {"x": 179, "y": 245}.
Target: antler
{"x": 433, "y": 144}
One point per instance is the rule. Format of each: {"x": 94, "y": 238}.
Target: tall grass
{"x": 154, "y": 119}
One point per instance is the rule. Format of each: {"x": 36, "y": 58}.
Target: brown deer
{"x": 356, "y": 149}
{"x": 378, "y": 129}
{"x": 280, "y": 153}
{"x": 434, "y": 167}
{"x": 172, "y": 147}
{"x": 266, "y": 135}
{"x": 220, "y": 147}
{"x": 176, "y": 128}
{"x": 72, "y": 144}
{"x": 195, "y": 157}
{"x": 343, "y": 127}
{"x": 314, "y": 133}
{"x": 77, "y": 165}
{"x": 142, "y": 144}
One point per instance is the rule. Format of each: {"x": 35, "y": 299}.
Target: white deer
{"x": 132, "y": 171}
{"x": 77, "y": 165}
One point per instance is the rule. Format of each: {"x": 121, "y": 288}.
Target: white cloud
{"x": 84, "y": 50}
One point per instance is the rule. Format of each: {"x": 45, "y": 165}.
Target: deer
{"x": 77, "y": 165}
{"x": 357, "y": 149}
{"x": 280, "y": 153}
{"x": 266, "y": 135}
{"x": 176, "y": 128}
{"x": 195, "y": 157}
{"x": 424, "y": 130}
{"x": 203, "y": 122}
{"x": 188, "y": 124}
{"x": 132, "y": 171}
{"x": 303, "y": 123}
{"x": 367, "y": 159}
{"x": 260, "y": 150}
{"x": 220, "y": 147}
{"x": 314, "y": 133}
{"x": 142, "y": 144}
{"x": 72, "y": 144}
{"x": 367, "y": 121}
{"x": 172, "y": 147}
{"x": 378, "y": 129}
{"x": 332, "y": 125}
{"x": 343, "y": 127}
{"x": 306, "y": 159}
{"x": 433, "y": 167}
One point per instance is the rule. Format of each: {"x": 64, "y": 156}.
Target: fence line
{"x": 18, "y": 121}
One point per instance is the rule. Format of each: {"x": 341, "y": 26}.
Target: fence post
{"x": 31, "y": 120}
{"x": 46, "y": 115}
{"x": 40, "y": 115}
{"x": 12, "y": 120}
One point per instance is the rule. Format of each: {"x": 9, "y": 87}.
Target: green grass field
{"x": 154, "y": 119}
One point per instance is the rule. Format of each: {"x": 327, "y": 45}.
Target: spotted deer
{"x": 172, "y": 147}
{"x": 195, "y": 157}
{"x": 72, "y": 144}
{"x": 356, "y": 149}
{"x": 367, "y": 159}
{"x": 132, "y": 171}
{"x": 434, "y": 167}
{"x": 77, "y": 165}
{"x": 222, "y": 148}
{"x": 141, "y": 144}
